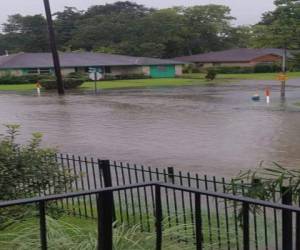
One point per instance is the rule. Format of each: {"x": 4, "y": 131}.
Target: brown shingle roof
{"x": 233, "y": 55}
{"x": 77, "y": 59}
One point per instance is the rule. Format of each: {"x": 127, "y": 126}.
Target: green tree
{"x": 107, "y": 25}
{"x": 25, "y": 33}
{"x": 128, "y": 28}
{"x": 163, "y": 34}
{"x": 65, "y": 24}
{"x": 207, "y": 27}
{"x": 279, "y": 28}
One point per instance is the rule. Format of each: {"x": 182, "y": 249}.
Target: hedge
{"x": 126, "y": 77}
{"x": 259, "y": 68}
{"x": 69, "y": 83}
{"x": 26, "y": 79}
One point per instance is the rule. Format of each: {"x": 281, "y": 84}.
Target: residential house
{"x": 115, "y": 65}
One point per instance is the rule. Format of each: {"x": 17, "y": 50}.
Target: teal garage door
{"x": 162, "y": 71}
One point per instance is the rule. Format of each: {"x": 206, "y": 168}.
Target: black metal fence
{"x": 226, "y": 235}
{"x": 222, "y": 218}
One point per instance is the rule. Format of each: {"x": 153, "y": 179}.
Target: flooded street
{"x": 212, "y": 130}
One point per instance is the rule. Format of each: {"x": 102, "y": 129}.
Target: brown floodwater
{"x": 213, "y": 130}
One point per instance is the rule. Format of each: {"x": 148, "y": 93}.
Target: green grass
{"x": 17, "y": 87}
{"x": 74, "y": 233}
{"x": 185, "y": 80}
{"x": 251, "y": 76}
{"x": 121, "y": 84}
{"x": 147, "y": 83}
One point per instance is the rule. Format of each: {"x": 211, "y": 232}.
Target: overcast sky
{"x": 246, "y": 11}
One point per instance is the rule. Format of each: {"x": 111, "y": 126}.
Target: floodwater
{"x": 213, "y": 130}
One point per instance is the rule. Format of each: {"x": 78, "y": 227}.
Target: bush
{"x": 69, "y": 83}
{"x": 78, "y": 75}
{"x": 233, "y": 70}
{"x": 110, "y": 77}
{"x": 190, "y": 68}
{"x": 10, "y": 79}
{"x": 27, "y": 170}
{"x": 126, "y": 77}
{"x": 266, "y": 68}
{"x": 132, "y": 76}
{"x": 259, "y": 68}
{"x": 211, "y": 75}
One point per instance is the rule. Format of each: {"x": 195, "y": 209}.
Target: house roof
{"x": 232, "y": 55}
{"x": 77, "y": 59}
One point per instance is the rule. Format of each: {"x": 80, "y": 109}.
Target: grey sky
{"x": 246, "y": 12}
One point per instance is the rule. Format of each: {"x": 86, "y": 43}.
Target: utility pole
{"x": 59, "y": 80}
{"x": 283, "y": 82}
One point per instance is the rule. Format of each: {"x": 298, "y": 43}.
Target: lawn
{"x": 185, "y": 80}
{"x": 17, "y": 87}
{"x": 148, "y": 83}
{"x": 122, "y": 84}
{"x": 250, "y": 76}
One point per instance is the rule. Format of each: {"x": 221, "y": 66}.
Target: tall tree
{"x": 65, "y": 24}
{"x": 206, "y": 26}
{"x": 279, "y": 28}
{"x": 26, "y": 33}
{"x": 129, "y": 28}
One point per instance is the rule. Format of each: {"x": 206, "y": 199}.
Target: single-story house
{"x": 243, "y": 57}
{"x": 115, "y": 65}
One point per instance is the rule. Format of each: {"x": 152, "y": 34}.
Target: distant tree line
{"x": 133, "y": 29}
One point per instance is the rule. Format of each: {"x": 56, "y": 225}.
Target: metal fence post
{"x": 287, "y": 219}
{"x": 246, "y": 236}
{"x": 43, "y": 226}
{"x": 158, "y": 217}
{"x": 105, "y": 168}
{"x": 105, "y": 218}
{"x": 298, "y": 231}
{"x": 198, "y": 219}
{"x": 171, "y": 174}
{"x": 298, "y": 225}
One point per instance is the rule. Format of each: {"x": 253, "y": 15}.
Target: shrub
{"x": 27, "y": 171}
{"x": 132, "y": 76}
{"x": 233, "y": 70}
{"x": 78, "y": 75}
{"x": 126, "y": 77}
{"x": 69, "y": 83}
{"x": 259, "y": 68}
{"x": 266, "y": 68}
{"x": 191, "y": 68}
{"x": 10, "y": 79}
{"x": 211, "y": 75}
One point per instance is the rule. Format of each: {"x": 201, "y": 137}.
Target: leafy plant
{"x": 263, "y": 182}
{"x": 69, "y": 83}
{"x": 27, "y": 171}
{"x": 8, "y": 79}
{"x": 211, "y": 74}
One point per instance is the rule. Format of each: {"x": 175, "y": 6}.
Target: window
{"x": 107, "y": 69}
{"x": 33, "y": 71}
{"x": 45, "y": 71}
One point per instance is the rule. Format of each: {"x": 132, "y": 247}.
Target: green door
{"x": 162, "y": 71}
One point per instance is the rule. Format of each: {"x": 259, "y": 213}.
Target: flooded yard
{"x": 215, "y": 130}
